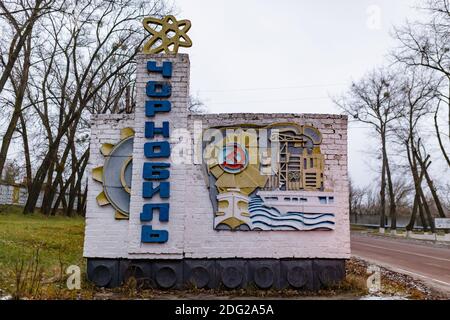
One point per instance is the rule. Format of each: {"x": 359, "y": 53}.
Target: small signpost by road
{"x": 442, "y": 223}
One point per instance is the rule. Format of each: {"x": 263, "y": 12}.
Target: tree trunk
{"x": 432, "y": 188}
{"x": 19, "y": 95}
{"x": 417, "y": 180}
{"x": 49, "y": 192}
{"x": 59, "y": 173}
{"x": 412, "y": 220}
{"x": 38, "y": 180}
{"x": 424, "y": 166}
{"x": 61, "y": 195}
{"x": 6, "y": 140}
{"x": 427, "y": 212}
{"x": 422, "y": 216}
{"x": 383, "y": 196}
{"x": 48, "y": 159}
{"x": 73, "y": 196}
{"x": 392, "y": 205}
{"x": 26, "y": 151}
{"x": 81, "y": 170}
{"x": 383, "y": 180}
{"x": 416, "y": 205}
{"x": 438, "y": 134}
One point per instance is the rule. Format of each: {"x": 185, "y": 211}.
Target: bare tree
{"x": 196, "y": 105}
{"x": 418, "y": 96}
{"x": 82, "y": 62}
{"x": 425, "y": 44}
{"x": 373, "y": 100}
{"x": 97, "y": 52}
{"x": 21, "y": 17}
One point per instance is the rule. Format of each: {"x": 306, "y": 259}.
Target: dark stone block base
{"x": 302, "y": 274}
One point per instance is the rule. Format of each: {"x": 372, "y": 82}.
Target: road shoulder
{"x": 412, "y": 281}
{"x": 429, "y": 243}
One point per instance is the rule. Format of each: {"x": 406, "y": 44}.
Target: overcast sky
{"x": 289, "y": 55}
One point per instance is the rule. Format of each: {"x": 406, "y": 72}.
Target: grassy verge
{"x": 387, "y": 231}
{"x": 35, "y": 250}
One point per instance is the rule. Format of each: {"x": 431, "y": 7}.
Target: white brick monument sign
{"x": 219, "y": 200}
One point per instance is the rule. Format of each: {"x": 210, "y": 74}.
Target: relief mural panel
{"x": 267, "y": 178}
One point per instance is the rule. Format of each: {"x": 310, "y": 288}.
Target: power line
{"x": 277, "y": 88}
{"x": 266, "y": 101}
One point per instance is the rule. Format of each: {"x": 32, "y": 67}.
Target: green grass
{"x": 58, "y": 239}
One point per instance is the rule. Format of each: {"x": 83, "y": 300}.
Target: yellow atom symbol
{"x": 168, "y": 34}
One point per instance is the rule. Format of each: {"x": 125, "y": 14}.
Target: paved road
{"x": 421, "y": 261}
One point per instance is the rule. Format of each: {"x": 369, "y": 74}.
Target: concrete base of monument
{"x": 302, "y": 274}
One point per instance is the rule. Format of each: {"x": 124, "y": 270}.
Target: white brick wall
{"x": 104, "y": 236}
{"x": 178, "y": 119}
{"x": 190, "y": 226}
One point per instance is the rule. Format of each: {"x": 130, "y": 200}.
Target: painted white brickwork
{"x": 191, "y": 233}
{"x": 104, "y": 235}
{"x": 178, "y": 119}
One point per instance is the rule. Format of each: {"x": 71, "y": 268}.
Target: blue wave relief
{"x": 270, "y": 218}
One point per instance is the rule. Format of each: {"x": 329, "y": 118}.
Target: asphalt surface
{"x": 425, "y": 262}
